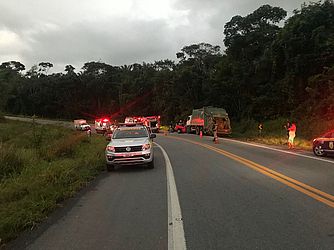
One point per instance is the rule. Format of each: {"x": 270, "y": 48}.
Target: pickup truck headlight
{"x": 110, "y": 148}
{"x": 146, "y": 146}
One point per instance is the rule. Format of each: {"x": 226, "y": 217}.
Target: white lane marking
{"x": 279, "y": 150}
{"x": 176, "y": 239}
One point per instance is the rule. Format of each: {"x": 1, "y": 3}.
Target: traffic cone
{"x": 200, "y": 134}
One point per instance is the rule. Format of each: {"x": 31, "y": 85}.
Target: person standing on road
{"x": 287, "y": 126}
{"x": 171, "y": 127}
{"x": 215, "y": 132}
{"x": 292, "y": 134}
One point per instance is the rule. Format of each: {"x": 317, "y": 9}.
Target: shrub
{"x": 2, "y": 117}
{"x": 10, "y": 161}
{"x": 64, "y": 147}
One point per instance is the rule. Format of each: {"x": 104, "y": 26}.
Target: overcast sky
{"x": 116, "y": 32}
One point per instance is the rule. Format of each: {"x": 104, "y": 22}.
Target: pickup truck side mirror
{"x": 153, "y": 136}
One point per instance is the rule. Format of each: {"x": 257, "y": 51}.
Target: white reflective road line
{"x": 279, "y": 150}
{"x": 176, "y": 239}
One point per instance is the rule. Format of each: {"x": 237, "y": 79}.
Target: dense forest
{"x": 271, "y": 67}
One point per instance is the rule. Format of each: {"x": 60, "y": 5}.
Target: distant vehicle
{"x": 110, "y": 132}
{"x": 130, "y": 144}
{"x": 81, "y": 124}
{"x": 102, "y": 125}
{"x": 130, "y": 120}
{"x": 324, "y": 144}
{"x": 153, "y": 123}
{"x": 180, "y": 128}
{"x": 203, "y": 120}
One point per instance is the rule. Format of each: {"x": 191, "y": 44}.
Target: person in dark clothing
{"x": 260, "y": 127}
{"x": 287, "y": 126}
{"x": 171, "y": 127}
{"x": 215, "y": 131}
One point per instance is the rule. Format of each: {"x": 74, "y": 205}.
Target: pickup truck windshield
{"x": 130, "y": 133}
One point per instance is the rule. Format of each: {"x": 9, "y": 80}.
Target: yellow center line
{"x": 312, "y": 192}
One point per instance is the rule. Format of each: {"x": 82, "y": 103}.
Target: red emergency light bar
{"x": 102, "y": 119}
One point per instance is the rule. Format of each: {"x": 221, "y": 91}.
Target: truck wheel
{"x": 197, "y": 131}
{"x": 110, "y": 167}
{"x": 179, "y": 131}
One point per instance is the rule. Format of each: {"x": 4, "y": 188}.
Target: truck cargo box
{"x": 203, "y": 120}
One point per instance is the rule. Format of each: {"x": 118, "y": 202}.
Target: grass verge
{"x": 274, "y": 133}
{"x": 40, "y": 166}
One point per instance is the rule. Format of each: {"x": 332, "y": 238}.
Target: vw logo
{"x": 128, "y": 149}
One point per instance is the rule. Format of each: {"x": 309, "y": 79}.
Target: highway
{"x": 200, "y": 195}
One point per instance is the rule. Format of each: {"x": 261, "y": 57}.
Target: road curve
{"x": 227, "y": 205}
{"x": 227, "y": 202}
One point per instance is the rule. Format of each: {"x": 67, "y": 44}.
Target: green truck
{"x": 203, "y": 120}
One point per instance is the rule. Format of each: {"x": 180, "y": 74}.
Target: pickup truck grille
{"x": 132, "y": 149}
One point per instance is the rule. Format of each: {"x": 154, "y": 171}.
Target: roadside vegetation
{"x": 274, "y": 133}
{"x": 273, "y": 66}
{"x": 40, "y": 166}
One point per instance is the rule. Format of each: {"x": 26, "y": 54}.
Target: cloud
{"x": 112, "y": 31}
{"x": 135, "y": 41}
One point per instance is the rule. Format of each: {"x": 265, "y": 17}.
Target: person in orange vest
{"x": 292, "y": 134}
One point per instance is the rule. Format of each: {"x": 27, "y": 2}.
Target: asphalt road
{"x": 228, "y": 196}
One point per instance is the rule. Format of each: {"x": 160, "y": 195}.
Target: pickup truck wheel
{"x": 110, "y": 167}
{"x": 318, "y": 151}
{"x": 150, "y": 165}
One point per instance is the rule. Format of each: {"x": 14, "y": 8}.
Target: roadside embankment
{"x": 274, "y": 133}
{"x": 40, "y": 166}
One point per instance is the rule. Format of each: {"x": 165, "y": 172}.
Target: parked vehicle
{"x": 324, "y": 144}
{"x": 131, "y": 144}
{"x": 153, "y": 123}
{"x": 130, "y": 120}
{"x": 81, "y": 124}
{"x": 204, "y": 118}
{"x": 180, "y": 128}
{"x": 102, "y": 125}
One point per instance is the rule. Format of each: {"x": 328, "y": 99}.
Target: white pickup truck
{"x": 81, "y": 124}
